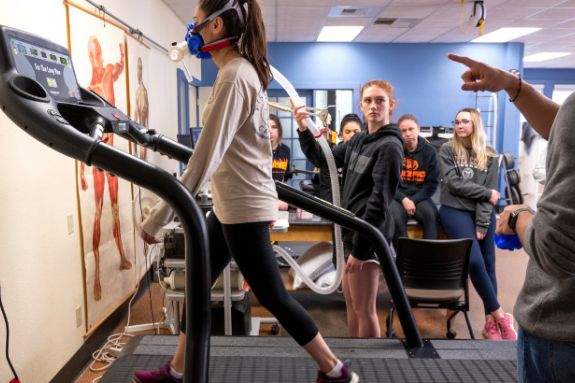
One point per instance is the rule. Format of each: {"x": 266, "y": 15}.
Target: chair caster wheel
{"x": 451, "y": 334}
{"x": 275, "y": 329}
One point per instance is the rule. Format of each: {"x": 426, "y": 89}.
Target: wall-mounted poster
{"x": 99, "y": 55}
{"x": 140, "y": 111}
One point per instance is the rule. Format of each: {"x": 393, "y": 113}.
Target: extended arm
{"x": 218, "y": 132}
{"x": 539, "y": 110}
{"x": 311, "y": 147}
{"x": 118, "y": 68}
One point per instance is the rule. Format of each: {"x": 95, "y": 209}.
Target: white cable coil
{"x": 288, "y": 87}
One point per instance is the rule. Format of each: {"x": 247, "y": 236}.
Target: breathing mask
{"x": 194, "y": 41}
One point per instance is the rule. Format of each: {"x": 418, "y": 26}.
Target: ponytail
{"x": 253, "y": 44}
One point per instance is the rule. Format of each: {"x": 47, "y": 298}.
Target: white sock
{"x": 336, "y": 371}
{"x": 175, "y": 374}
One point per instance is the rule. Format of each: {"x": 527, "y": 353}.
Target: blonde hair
{"x": 479, "y": 149}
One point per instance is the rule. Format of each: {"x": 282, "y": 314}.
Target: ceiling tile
{"x": 554, "y": 14}
{"x": 513, "y": 12}
{"x": 420, "y": 35}
{"x": 439, "y": 21}
{"x": 378, "y": 34}
{"x": 355, "y": 3}
{"x": 534, "y": 3}
{"x": 407, "y": 11}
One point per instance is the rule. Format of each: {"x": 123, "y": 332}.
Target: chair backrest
{"x": 433, "y": 264}
{"x": 508, "y": 161}
{"x": 513, "y": 194}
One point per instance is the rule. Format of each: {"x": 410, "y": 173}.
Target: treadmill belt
{"x": 251, "y": 369}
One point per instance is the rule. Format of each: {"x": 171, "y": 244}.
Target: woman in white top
{"x": 234, "y": 152}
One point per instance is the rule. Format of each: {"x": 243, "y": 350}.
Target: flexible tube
{"x": 288, "y": 87}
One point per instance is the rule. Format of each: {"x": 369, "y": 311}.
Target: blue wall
{"x": 549, "y": 78}
{"x": 426, "y": 83}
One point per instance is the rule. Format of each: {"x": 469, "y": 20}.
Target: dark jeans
{"x": 461, "y": 224}
{"x": 541, "y": 360}
{"x": 250, "y": 246}
{"x": 425, "y": 214}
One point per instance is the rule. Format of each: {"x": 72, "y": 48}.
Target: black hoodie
{"x": 371, "y": 173}
{"x": 419, "y": 174}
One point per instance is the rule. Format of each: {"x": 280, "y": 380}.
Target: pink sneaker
{"x": 506, "y": 327}
{"x": 347, "y": 376}
{"x": 491, "y": 331}
{"x": 161, "y": 375}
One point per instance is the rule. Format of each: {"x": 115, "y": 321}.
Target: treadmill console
{"x": 50, "y": 67}
{"x": 39, "y": 91}
{"x": 43, "y": 61}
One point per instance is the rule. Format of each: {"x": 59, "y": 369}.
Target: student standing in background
{"x": 469, "y": 180}
{"x": 371, "y": 162}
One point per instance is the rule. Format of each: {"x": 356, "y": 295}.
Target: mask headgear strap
{"x": 225, "y": 42}
{"x": 231, "y": 4}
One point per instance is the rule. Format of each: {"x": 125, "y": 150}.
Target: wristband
{"x": 519, "y": 87}
{"x": 512, "y": 221}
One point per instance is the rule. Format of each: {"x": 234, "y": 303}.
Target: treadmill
{"x": 39, "y": 92}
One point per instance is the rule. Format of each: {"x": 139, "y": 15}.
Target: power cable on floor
{"x": 115, "y": 343}
{"x": 16, "y": 379}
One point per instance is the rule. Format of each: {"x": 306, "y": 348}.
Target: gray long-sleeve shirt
{"x": 546, "y": 304}
{"x": 464, "y": 186}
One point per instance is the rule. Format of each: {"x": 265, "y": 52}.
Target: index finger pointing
{"x": 461, "y": 59}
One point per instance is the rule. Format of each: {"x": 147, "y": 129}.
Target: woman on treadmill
{"x": 234, "y": 152}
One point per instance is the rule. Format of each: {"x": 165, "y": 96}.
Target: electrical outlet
{"x": 70, "y": 221}
{"x": 115, "y": 351}
{"x": 78, "y": 310}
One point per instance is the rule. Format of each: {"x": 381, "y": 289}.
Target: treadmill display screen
{"x": 50, "y": 68}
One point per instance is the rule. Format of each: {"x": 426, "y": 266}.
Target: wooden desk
{"x": 415, "y": 230}
{"x": 312, "y": 229}
{"x": 316, "y": 229}
{"x": 304, "y": 233}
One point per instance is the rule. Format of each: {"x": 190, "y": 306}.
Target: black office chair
{"x": 435, "y": 275}
{"x": 513, "y": 194}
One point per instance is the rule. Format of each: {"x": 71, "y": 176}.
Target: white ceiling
{"x": 419, "y": 21}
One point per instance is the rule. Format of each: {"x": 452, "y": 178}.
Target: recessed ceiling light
{"x": 544, "y": 56}
{"x": 503, "y": 35}
{"x": 341, "y": 33}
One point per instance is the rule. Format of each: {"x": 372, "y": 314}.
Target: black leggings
{"x": 249, "y": 244}
{"x": 425, "y": 213}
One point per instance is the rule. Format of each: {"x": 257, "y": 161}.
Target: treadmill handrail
{"x": 347, "y": 219}
{"x": 197, "y": 280}
{"x": 158, "y": 143}
{"x": 33, "y": 117}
